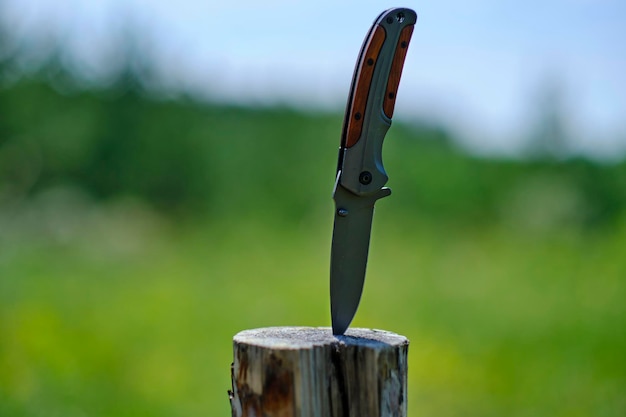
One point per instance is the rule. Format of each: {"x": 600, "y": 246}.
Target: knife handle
{"x": 380, "y": 62}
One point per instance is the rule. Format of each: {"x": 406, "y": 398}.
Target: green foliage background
{"x": 139, "y": 234}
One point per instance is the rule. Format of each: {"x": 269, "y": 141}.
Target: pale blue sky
{"x": 476, "y": 66}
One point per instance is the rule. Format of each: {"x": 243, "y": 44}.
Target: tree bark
{"x": 308, "y": 372}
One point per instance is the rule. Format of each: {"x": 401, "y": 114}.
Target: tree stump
{"x": 308, "y": 372}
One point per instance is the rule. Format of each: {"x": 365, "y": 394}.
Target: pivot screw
{"x": 365, "y": 177}
{"x": 342, "y": 212}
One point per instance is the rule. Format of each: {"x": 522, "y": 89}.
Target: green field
{"x": 126, "y": 317}
{"x": 137, "y": 236}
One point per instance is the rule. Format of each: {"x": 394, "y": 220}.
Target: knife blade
{"x": 360, "y": 175}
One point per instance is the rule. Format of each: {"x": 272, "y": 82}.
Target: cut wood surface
{"x": 308, "y": 372}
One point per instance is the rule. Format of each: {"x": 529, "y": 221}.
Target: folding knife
{"x": 360, "y": 173}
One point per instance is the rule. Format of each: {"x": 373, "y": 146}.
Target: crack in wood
{"x": 339, "y": 374}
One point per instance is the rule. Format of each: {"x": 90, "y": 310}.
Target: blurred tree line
{"x": 188, "y": 158}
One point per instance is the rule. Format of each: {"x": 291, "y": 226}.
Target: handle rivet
{"x": 365, "y": 177}
{"x": 391, "y": 95}
{"x": 390, "y": 20}
{"x": 357, "y": 116}
{"x": 342, "y": 212}
{"x": 404, "y": 44}
{"x": 370, "y": 62}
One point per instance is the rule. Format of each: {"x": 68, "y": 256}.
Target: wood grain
{"x": 396, "y": 70}
{"x": 308, "y": 372}
{"x": 364, "y": 75}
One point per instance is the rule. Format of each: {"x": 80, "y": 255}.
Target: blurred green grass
{"x": 139, "y": 235}
{"x": 499, "y": 324}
